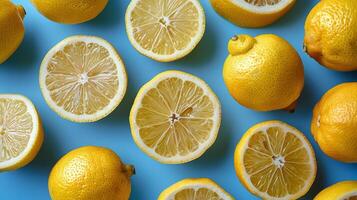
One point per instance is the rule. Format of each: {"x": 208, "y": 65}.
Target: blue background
{"x": 20, "y": 75}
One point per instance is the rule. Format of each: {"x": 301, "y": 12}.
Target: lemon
{"x": 90, "y": 173}
{"x": 263, "y": 73}
{"x": 331, "y": 34}
{"x": 70, "y": 11}
{"x": 12, "y": 29}
{"x": 346, "y": 190}
{"x": 175, "y": 117}
{"x": 21, "y": 133}
{"x": 274, "y": 160}
{"x": 83, "y": 78}
{"x": 334, "y": 122}
{"x": 195, "y": 189}
{"x": 165, "y": 30}
{"x": 252, "y": 13}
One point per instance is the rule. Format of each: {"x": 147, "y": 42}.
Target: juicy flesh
{"x": 263, "y": 2}
{"x": 198, "y": 194}
{"x": 175, "y": 118}
{"x": 277, "y": 162}
{"x": 82, "y": 78}
{"x": 164, "y": 26}
{"x": 15, "y": 128}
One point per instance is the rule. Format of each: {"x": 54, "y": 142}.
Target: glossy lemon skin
{"x": 264, "y": 73}
{"x": 334, "y": 122}
{"x": 338, "y": 191}
{"x": 90, "y": 173}
{"x": 246, "y": 18}
{"x": 70, "y": 11}
{"x": 331, "y": 34}
{"x": 12, "y": 30}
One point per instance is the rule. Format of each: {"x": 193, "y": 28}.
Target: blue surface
{"x": 20, "y": 75}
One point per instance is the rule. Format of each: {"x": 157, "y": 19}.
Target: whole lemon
{"x": 334, "y": 122}
{"x": 70, "y": 11}
{"x": 90, "y": 173}
{"x": 12, "y": 29}
{"x": 346, "y": 190}
{"x": 331, "y": 34}
{"x": 263, "y": 73}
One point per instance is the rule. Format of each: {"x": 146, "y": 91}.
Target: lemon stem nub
{"x": 130, "y": 170}
{"x": 240, "y": 44}
{"x": 22, "y": 11}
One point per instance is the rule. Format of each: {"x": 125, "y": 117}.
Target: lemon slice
{"x": 21, "y": 133}
{"x": 83, "y": 78}
{"x": 195, "y": 189}
{"x": 175, "y": 117}
{"x": 275, "y": 161}
{"x": 252, "y": 13}
{"x": 165, "y": 30}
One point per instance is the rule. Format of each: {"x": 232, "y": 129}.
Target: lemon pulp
{"x": 83, "y": 78}
{"x": 15, "y": 128}
{"x": 165, "y": 30}
{"x": 175, "y": 117}
{"x": 275, "y": 160}
{"x": 198, "y": 194}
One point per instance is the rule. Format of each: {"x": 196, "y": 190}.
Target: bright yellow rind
{"x": 334, "y": 122}
{"x": 338, "y": 191}
{"x": 186, "y": 183}
{"x": 70, "y": 11}
{"x": 245, "y": 18}
{"x": 331, "y": 34}
{"x": 12, "y": 29}
{"x": 264, "y": 73}
{"x": 90, "y": 173}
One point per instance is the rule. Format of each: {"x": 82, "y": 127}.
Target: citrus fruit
{"x": 21, "y": 133}
{"x": 83, "y": 78}
{"x": 252, "y": 13}
{"x": 70, "y": 11}
{"x": 195, "y": 189}
{"x": 263, "y": 73}
{"x": 175, "y": 117}
{"x": 165, "y": 30}
{"x": 331, "y": 34}
{"x": 346, "y": 190}
{"x": 274, "y": 160}
{"x": 90, "y": 173}
{"x": 334, "y": 122}
{"x": 12, "y": 29}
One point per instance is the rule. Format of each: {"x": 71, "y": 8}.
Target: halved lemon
{"x": 165, "y": 30}
{"x": 21, "y": 133}
{"x": 175, "y": 117}
{"x": 83, "y": 78}
{"x": 252, "y": 13}
{"x": 274, "y": 160}
{"x": 195, "y": 189}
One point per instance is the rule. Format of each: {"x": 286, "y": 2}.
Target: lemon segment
{"x": 83, "y": 78}
{"x": 175, "y": 117}
{"x": 165, "y": 30}
{"x": 252, "y": 13}
{"x": 21, "y": 133}
{"x": 275, "y": 161}
{"x": 195, "y": 189}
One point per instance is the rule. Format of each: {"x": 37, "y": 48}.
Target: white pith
{"x": 262, "y": 9}
{"x": 222, "y": 194}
